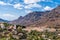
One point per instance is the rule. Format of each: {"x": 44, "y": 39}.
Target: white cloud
{"x": 8, "y": 16}
{"x": 33, "y": 5}
{"x": 8, "y": 4}
{"x": 48, "y": 8}
{"x": 35, "y": 1}
{"x": 18, "y": 6}
{"x": 2, "y": 3}
{"x": 31, "y": 1}
{"x": 28, "y": 11}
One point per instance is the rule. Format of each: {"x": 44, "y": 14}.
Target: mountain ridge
{"x": 2, "y": 20}
{"x": 40, "y": 18}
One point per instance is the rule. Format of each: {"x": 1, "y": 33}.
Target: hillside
{"x": 50, "y": 18}
{"x": 2, "y": 20}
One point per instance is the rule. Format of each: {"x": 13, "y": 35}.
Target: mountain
{"x": 49, "y": 18}
{"x": 1, "y": 20}
{"x": 29, "y": 18}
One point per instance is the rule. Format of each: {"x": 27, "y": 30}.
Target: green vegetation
{"x": 20, "y": 34}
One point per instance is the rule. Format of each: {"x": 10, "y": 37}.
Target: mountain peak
{"x": 58, "y": 7}
{"x": 20, "y": 17}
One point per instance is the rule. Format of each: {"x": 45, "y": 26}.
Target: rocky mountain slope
{"x": 50, "y": 18}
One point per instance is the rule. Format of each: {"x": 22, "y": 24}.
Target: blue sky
{"x": 12, "y": 9}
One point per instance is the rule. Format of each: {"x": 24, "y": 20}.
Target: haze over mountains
{"x": 51, "y": 18}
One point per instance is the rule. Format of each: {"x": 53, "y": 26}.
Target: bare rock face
{"x": 40, "y": 18}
